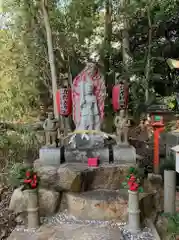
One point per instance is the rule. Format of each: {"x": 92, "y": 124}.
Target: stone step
{"x": 104, "y": 205}
{"x": 67, "y": 231}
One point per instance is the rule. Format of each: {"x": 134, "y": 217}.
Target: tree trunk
{"x": 50, "y": 55}
{"x": 125, "y": 42}
{"x": 107, "y": 39}
{"x": 126, "y": 57}
{"x": 148, "y": 61}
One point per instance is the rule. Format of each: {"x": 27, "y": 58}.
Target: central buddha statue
{"x": 90, "y": 119}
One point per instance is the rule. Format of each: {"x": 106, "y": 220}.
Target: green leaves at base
{"x": 124, "y": 185}
{"x": 173, "y": 223}
{"x": 140, "y": 190}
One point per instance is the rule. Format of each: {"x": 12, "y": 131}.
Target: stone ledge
{"x": 78, "y": 177}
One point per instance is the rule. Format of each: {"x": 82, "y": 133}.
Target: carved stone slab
{"x": 50, "y": 156}
{"x": 94, "y": 141}
{"x": 124, "y": 154}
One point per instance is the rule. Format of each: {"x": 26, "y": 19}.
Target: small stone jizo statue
{"x": 50, "y": 126}
{"x": 122, "y": 126}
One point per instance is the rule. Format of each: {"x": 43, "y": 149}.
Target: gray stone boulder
{"x": 70, "y": 177}
{"x": 18, "y": 201}
{"x": 109, "y": 176}
{"x": 78, "y": 177}
{"x": 162, "y": 227}
{"x": 96, "y": 205}
{"x": 47, "y": 174}
{"x": 48, "y": 202}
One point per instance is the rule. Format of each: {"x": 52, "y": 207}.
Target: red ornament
{"x": 33, "y": 184}
{"x": 133, "y": 178}
{"x": 35, "y": 177}
{"x": 27, "y": 174}
{"x": 27, "y": 180}
{"x": 64, "y": 101}
{"x": 134, "y": 187}
{"x": 120, "y": 94}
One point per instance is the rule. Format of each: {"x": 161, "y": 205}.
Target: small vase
{"x": 133, "y": 212}
{"x": 32, "y": 208}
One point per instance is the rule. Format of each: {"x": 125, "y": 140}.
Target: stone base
{"x": 50, "y": 155}
{"x": 75, "y": 155}
{"x": 78, "y": 177}
{"x": 93, "y": 141}
{"x": 109, "y": 154}
{"x": 102, "y": 204}
{"x": 123, "y": 154}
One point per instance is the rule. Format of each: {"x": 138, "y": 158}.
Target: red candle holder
{"x": 93, "y": 162}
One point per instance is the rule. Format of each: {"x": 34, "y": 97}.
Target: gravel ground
{"x": 65, "y": 227}
{"x": 7, "y": 219}
{"x": 61, "y": 218}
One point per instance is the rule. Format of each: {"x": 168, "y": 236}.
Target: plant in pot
{"x": 133, "y": 184}
{"x": 133, "y": 180}
{"x": 22, "y": 176}
{"x": 28, "y": 180}
{"x": 30, "y": 185}
{"x": 31, "y": 180}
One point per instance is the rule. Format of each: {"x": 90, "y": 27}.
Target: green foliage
{"x": 169, "y": 164}
{"x": 78, "y": 31}
{"x": 20, "y": 145}
{"x": 18, "y": 173}
{"x": 135, "y": 172}
{"x": 173, "y": 225}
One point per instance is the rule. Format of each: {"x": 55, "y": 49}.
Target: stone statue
{"x": 89, "y": 108}
{"x": 141, "y": 125}
{"x": 50, "y": 126}
{"x": 122, "y": 126}
{"x": 88, "y": 86}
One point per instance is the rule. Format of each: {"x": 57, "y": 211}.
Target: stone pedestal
{"x": 133, "y": 212}
{"x": 124, "y": 154}
{"x": 94, "y": 141}
{"x": 169, "y": 191}
{"x": 50, "y": 156}
{"x": 109, "y": 154}
{"x": 172, "y": 139}
{"x": 75, "y": 155}
{"x": 32, "y": 208}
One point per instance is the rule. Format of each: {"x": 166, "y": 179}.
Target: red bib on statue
{"x": 64, "y": 101}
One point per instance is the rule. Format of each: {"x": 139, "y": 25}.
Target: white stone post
{"x": 32, "y": 209}
{"x": 133, "y": 212}
{"x": 169, "y": 191}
